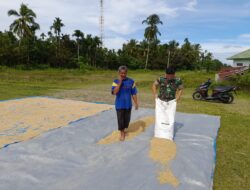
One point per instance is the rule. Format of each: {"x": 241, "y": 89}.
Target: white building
{"x": 241, "y": 59}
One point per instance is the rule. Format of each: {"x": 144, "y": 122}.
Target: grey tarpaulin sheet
{"x": 68, "y": 158}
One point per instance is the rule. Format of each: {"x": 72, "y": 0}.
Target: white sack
{"x": 164, "y": 118}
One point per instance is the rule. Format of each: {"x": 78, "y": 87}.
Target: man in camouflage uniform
{"x": 170, "y": 90}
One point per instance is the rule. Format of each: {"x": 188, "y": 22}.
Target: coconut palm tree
{"x": 92, "y": 43}
{"x": 151, "y": 31}
{"x": 24, "y": 26}
{"x": 96, "y": 43}
{"x": 78, "y": 34}
{"x": 131, "y": 47}
{"x": 43, "y": 36}
{"x": 57, "y": 26}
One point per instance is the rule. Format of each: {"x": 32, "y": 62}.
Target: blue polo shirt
{"x": 123, "y": 97}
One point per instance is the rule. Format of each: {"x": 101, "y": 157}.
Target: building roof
{"x": 240, "y": 56}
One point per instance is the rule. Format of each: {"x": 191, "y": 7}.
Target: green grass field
{"x": 233, "y": 147}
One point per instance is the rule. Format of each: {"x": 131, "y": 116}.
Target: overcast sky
{"x": 220, "y": 26}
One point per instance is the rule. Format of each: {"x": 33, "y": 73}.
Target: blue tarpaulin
{"x": 69, "y": 158}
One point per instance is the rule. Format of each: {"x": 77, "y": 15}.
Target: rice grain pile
{"x": 163, "y": 151}
{"x": 23, "y": 119}
{"x": 132, "y": 131}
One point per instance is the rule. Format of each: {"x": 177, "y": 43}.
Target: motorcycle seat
{"x": 223, "y": 88}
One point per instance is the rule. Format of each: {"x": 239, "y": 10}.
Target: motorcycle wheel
{"x": 197, "y": 96}
{"x": 227, "y": 98}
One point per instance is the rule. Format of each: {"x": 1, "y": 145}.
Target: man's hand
{"x": 155, "y": 96}
{"x": 177, "y": 99}
{"x": 136, "y": 106}
{"x": 117, "y": 88}
{"x": 135, "y": 102}
{"x": 120, "y": 79}
{"x": 178, "y": 95}
{"x": 154, "y": 90}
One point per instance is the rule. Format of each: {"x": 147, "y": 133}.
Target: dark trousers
{"x": 123, "y": 118}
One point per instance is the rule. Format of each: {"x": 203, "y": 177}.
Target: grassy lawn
{"x": 233, "y": 147}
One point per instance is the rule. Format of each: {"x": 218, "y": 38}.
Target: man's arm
{"x": 135, "y": 101}
{"x": 178, "y": 94}
{"x": 179, "y": 90}
{"x": 117, "y": 88}
{"x": 154, "y": 88}
{"x": 134, "y": 95}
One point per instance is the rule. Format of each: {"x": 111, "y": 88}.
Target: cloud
{"x": 222, "y": 51}
{"x": 245, "y": 36}
{"x": 125, "y": 17}
{"x": 114, "y": 43}
{"x": 191, "y": 5}
{"x": 122, "y": 17}
{"x": 74, "y": 15}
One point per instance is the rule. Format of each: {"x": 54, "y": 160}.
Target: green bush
{"x": 241, "y": 81}
{"x": 244, "y": 80}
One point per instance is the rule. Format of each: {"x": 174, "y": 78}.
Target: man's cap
{"x": 170, "y": 70}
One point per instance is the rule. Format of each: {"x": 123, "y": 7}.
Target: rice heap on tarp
{"x": 22, "y": 119}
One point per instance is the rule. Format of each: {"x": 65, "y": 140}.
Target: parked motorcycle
{"x": 219, "y": 93}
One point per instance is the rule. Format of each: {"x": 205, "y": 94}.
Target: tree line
{"x": 21, "y": 47}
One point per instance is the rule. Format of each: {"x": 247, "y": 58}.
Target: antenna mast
{"x": 101, "y": 22}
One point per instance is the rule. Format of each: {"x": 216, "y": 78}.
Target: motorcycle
{"x": 220, "y": 93}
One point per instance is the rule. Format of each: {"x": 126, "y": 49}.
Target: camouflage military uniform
{"x": 168, "y": 88}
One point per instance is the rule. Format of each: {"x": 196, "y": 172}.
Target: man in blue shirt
{"x": 125, "y": 90}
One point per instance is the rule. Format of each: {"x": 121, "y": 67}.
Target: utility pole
{"x": 168, "y": 58}
{"x": 101, "y": 22}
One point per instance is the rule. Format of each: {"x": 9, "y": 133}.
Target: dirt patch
{"x": 26, "y": 118}
{"x": 94, "y": 93}
{"x": 102, "y": 93}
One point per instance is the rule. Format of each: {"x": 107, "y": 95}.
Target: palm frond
{"x": 13, "y": 13}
